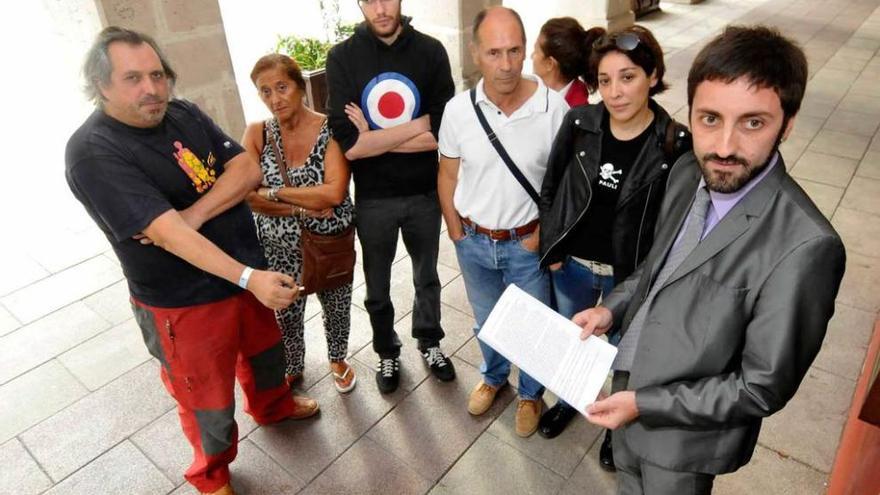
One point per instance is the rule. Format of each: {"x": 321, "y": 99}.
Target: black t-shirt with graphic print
{"x": 591, "y": 237}
{"x": 126, "y": 177}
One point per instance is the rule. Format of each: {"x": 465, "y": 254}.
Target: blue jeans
{"x": 576, "y": 288}
{"x": 488, "y": 268}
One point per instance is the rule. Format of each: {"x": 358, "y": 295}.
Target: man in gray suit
{"x": 729, "y": 309}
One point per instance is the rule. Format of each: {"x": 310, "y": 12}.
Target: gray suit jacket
{"x": 731, "y": 334}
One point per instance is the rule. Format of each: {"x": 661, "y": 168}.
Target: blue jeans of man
{"x": 488, "y": 267}
{"x": 576, "y": 288}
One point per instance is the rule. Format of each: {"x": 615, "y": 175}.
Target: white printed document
{"x": 548, "y": 347}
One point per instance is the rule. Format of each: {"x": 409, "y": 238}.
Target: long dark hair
{"x": 564, "y": 39}
{"x": 647, "y": 53}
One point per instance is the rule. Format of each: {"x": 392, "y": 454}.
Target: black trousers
{"x": 635, "y": 476}
{"x": 417, "y": 219}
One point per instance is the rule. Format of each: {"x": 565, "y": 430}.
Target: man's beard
{"x": 395, "y": 26}
{"x": 727, "y": 181}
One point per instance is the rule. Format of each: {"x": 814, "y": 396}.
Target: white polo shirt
{"x": 487, "y": 192}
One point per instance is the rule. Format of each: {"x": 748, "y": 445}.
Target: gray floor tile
{"x": 589, "y": 478}
{"x": 792, "y": 149}
{"x": 853, "y": 122}
{"x": 78, "y": 247}
{"x": 860, "y": 104}
{"x": 827, "y": 169}
{"x": 447, "y": 254}
{"x": 861, "y": 282}
{"x": 860, "y": 231}
{"x": 814, "y": 107}
{"x": 455, "y": 295}
{"x": 72, "y": 438}
{"x": 20, "y": 271}
{"x": 431, "y": 428}
{"x": 8, "y": 322}
{"x": 112, "y": 303}
{"x": 808, "y": 428}
{"x": 561, "y": 454}
{"x": 61, "y": 289}
{"x": 869, "y": 166}
{"x": 255, "y": 473}
{"x": 307, "y": 447}
{"x": 20, "y": 474}
{"x": 163, "y": 442}
{"x": 770, "y": 472}
{"x": 846, "y": 342}
{"x": 863, "y": 194}
{"x": 470, "y": 353}
{"x": 103, "y": 358}
{"x": 826, "y": 197}
{"x": 806, "y": 127}
{"x": 46, "y": 338}
{"x": 123, "y": 469}
{"x": 492, "y": 466}
{"x": 34, "y": 396}
{"x": 387, "y": 474}
{"x": 840, "y": 144}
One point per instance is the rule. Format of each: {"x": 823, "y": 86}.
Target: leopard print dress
{"x": 280, "y": 238}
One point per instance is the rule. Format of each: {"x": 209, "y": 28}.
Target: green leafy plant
{"x": 311, "y": 53}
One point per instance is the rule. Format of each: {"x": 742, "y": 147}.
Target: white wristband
{"x": 245, "y": 276}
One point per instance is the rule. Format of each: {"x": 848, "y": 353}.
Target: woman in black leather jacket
{"x": 605, "y": 180}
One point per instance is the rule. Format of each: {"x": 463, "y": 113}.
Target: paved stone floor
{"x": 82, "y": 410}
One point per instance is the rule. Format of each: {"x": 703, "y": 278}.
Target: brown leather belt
{"x": 502, "y": 234}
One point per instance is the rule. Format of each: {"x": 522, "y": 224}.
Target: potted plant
{"x": 311, "y": 55}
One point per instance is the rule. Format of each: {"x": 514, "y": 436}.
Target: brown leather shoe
{"x": 528, "y": 413}
{"x": 481, "y": 398}
{"x": 224, "y": 490}
{"x": 305, "y": 407}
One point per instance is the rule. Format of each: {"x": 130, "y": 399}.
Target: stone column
{"x": 191, "y": 34}
{"x": 610, "y": 14}
{"x": 450, "y": 21}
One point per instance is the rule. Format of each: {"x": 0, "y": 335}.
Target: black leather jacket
{"x": 572, "y": 168}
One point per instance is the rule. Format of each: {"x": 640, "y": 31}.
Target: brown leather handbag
{"x": 328, "y": 259}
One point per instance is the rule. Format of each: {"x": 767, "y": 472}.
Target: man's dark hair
{"x": 759, "y": 53}
{"x": 481, "y": 16}
{"x": 97, "y": 67}
{"x": 647, "y": 54}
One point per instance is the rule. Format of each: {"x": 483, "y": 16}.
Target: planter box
{"x": 316, "y": 89}
{"x": 642, "y": 7}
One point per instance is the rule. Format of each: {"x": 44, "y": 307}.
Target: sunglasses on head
{"x": 624, "y": 41}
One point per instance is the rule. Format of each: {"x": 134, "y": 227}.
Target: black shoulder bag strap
{"x": 502, "y": 152}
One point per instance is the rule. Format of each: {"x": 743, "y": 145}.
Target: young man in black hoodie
{"x": 388, "y": 86}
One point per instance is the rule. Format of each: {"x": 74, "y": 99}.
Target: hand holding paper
{"x": 548, "y": 347}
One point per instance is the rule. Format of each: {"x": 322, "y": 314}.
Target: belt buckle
{"x": 497, "y": 235}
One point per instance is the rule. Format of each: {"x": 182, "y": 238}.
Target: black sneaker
{"x": 388, "y": 375}
{"x": 440, "y": 365}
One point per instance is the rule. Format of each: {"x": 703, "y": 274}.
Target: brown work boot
{"x": 305, "y": 407}
{"x": 482, "y": 397}
{"x": 224, "y": 490}
{"x": 528, "y": 413}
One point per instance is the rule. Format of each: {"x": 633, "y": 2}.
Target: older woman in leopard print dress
{"x": 318, "y": 174}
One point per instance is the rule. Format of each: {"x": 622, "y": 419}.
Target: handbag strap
{"x": 496, "y": 143}
{"x": 279, "y": 158}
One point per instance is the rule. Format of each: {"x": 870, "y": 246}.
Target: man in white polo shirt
{"x": 491, "y": 216}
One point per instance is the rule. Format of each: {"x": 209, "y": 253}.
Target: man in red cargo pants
{"x": 166, "y": 185}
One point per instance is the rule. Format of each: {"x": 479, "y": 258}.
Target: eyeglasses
{"x": 624, "y": 41}
{"x": 372, "y": 3}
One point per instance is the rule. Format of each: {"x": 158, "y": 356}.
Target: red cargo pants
{"x": 202, "y": 349}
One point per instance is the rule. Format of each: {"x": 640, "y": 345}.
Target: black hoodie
{"x": 415, "y": 66}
